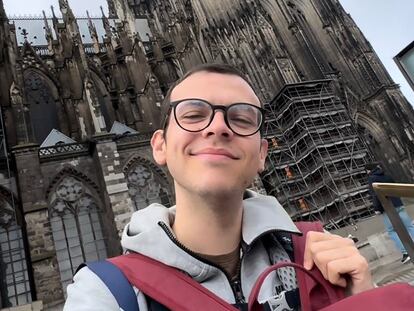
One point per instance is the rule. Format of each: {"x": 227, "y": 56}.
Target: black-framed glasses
{"x": 195, "y": 115}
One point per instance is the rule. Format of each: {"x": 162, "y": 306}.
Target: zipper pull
{"x": 238, "y": 291}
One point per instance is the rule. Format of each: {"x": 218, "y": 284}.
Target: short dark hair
{"x": 208, "y": 67}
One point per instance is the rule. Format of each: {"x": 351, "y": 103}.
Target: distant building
{"x": 80, "y": 98}
{"x": 405, "y": 61}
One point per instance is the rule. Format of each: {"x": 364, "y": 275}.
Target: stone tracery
{"x": 76, "y": 226}
{"x": 146, "y": 186}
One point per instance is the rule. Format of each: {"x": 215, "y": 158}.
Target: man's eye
{"x": 242, "y": 121}
{"x": 193, "y": 116}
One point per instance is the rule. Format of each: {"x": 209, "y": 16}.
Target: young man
{"x": 376, "y": 174}
{"x": 217, "y": 232}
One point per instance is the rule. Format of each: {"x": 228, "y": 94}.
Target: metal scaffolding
{"x": 316, "y": 161}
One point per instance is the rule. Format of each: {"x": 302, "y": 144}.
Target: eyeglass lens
{"x": 195, "y": 115}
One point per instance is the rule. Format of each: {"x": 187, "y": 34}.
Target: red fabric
{"x": 329, "y": 291}
{"x": 317, "y": 294}
{"x": 177, "y": 291}
{"x": 307, "y": 285}
{"x": 168, "y": 286}
{"x": 395, "y": 297}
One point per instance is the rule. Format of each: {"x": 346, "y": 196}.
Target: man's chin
{"x": 219, "y": 190}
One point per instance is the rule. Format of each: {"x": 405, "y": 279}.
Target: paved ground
{"x": 379, "y": 250}
{"x": 389, "y": 269}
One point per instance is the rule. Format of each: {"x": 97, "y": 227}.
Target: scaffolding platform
{"x": 316, "y": 161}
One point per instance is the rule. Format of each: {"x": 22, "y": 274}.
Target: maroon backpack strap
{"x": 329, "y": 291}
{"x": 308, "y": 287}
{"x": 167, "y": 285}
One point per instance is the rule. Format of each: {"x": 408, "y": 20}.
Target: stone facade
{"x": 79, "y": 76}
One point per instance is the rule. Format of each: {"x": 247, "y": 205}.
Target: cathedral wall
{"x": 29, "y": 177}
{"x": 43, "y": 256}
{"x": 337, "y": 43}
{"x": 84, "y": 164}
{"x": 143, "y": 151}
{"x": 397, "y": 132}
{"x": 86, "y": 169}
{"x": 144, "y": 176}
{"x": 107, "y": 158}
{"x": 292, "y": 39}
{"x": 282, "y": 42}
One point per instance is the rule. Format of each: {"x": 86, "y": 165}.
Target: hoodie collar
{"x": 262, "y": 214}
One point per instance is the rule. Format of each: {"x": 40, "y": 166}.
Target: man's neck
{"x": 208, "y": 226}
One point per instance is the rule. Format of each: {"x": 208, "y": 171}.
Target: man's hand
{"x": 337, "y": 257}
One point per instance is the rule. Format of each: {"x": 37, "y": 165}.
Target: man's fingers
{"x": 337, "y": 258}
{"x": 333, "y": 276}
{"x": 324, "y": 257}
{"x": 307, "y": 256}
{"x": 311, "y": 237}
{"x": 317, "y": 242}
{"x": 353, "y": 266}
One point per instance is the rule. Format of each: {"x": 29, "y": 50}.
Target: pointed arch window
{"x": 14, "y": 278}
{"x": 76, "y": 226}
{"x": 147, "y": 186}
{"x": 43, "y": 111}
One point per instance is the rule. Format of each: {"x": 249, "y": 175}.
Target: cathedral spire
{"x": 67, "y": 12}
{"x": 111, "y": 9}
{"x": 54, "y": 18}
{"x": 71, "y": 24}
{"x": 48, "y": 31}
{"x": 106, "y": 25}
{"x": 93, "y": 32}
{"x": 91, "y": 26}
{"x": 3, "y": 15}
{"x": 55, "y": 22}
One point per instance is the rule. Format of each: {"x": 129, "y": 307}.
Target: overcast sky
{"x": 35, "y": 7}
{"x": 387, "y": 24}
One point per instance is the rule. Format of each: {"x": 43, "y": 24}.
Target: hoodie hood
{"x": 145, "y": 235}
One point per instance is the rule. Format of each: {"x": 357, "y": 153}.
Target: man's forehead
{"x": 208, "y": 84}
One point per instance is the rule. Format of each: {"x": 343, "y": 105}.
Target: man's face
{"x": 215, "y": 160}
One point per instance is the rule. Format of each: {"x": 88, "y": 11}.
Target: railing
{"x": 386, "y": 190}
{"x": 89, "y": 49}
{"x": 41, "y": 50}
{"x": 134, "y": 138}
{"x": 63, "y": 149}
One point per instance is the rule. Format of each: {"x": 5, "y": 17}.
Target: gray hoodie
{"x": 150, "y": 234}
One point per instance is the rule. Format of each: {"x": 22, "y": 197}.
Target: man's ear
{"x": 159, "y": 147}
{"x": 262, "y": 154}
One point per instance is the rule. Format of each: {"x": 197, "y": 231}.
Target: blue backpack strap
{"x": 117, "y": 283}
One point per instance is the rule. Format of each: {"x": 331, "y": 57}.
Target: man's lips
{"x": 212, "y": 152}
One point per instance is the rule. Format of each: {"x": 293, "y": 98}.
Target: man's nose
{"x": 218, "y": 126}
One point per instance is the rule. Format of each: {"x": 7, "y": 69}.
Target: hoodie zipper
{"x": 235, "y": 284}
